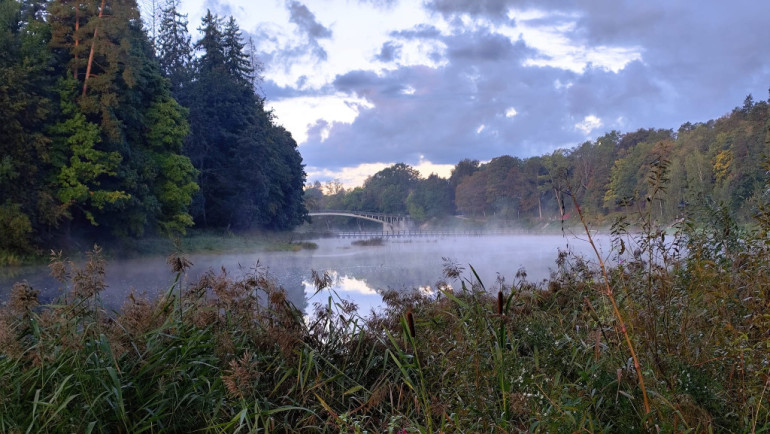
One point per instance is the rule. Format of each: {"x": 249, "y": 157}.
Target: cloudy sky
{"x": 362, "y": 84}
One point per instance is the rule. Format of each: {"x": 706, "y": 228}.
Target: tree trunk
{"x": 93, "y": 48}
{"x": 559, "y": 203}
{"x": 77, "y": 41}
{"x": 539, "y": 209}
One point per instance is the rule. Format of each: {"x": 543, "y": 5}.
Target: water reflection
{"x": 358, "y": 273}
{"x": 346, "y": 287}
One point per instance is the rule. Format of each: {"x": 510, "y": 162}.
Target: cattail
{"x": 410, "y": 322}
{"x": 500, "y": 303}
{"x": 178, "y": 263}
{"x": 23, "y": 298}
{"x": 597, "y": 343}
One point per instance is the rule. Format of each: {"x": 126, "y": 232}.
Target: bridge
{"x": 391, "y": 223}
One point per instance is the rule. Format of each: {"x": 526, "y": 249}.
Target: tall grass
{"x": 233, "y": 355}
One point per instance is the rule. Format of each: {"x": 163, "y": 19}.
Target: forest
{"x": 110, "y": 134}
{"x": 718, "y": 162}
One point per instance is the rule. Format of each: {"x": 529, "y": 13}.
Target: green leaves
{"x": 79, "y": 166}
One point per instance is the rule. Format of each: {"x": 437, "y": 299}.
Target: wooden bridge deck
{"x": 413, "y": 234}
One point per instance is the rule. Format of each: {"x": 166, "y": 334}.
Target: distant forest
{"x": 107, "y": 133}
{"x": 719, "y": 164}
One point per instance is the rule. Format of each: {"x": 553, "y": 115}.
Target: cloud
{"x": 538, "y": 75}
{"x": 389, "y": 52}
{"x": 219, "y": 7}
{"x": 482, "y": 47}
{"x": 588, "y": 124}
{"x": 440, "y": 119}
{"x": 488, "y": 8}
{"x": 381, "y": 4}
{"x": 421, "y": 31}
{"x": 283, "y": 49}
{"x": 306, "y": 21}
{"x": 307, "y": 25}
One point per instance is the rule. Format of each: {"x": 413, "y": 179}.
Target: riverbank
{"x": 228, "y": 354}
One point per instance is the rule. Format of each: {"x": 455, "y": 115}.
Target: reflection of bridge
{"x": 390, "y": 222}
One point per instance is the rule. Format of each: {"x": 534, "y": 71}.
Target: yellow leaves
{"x": 722, "y": 162}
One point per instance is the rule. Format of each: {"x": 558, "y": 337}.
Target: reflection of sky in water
{"x": 349, "y": 288}
{"x": 359, "y": 273}
{"x": 345, "y": 287}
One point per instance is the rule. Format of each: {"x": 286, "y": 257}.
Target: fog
{"x": 358, "y": 272}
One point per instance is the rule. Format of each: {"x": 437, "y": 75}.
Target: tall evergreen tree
{"x": 211, "y": 44}
{"x": 174, "y": 48}
{"x": 251, "y": 174}
{"x": 237, "y": 61}
{"x": 124, "y": 95}
{"x": 25, "y": 104}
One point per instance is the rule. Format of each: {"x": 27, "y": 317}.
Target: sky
{"x": 363, "y": 84}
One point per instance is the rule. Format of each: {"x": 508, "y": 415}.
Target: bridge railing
{"x": 361, "y": 213}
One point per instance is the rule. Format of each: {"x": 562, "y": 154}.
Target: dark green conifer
{"x": 174, "y": 48}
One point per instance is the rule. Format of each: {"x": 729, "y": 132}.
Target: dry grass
{"x": 227, "y": 355}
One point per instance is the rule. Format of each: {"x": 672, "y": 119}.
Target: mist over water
{"x": 358, "y": 272}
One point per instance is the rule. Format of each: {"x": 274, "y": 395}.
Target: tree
{"x": 464, "y": 168}
{"x": 386, "y": 191}
{"x": 555, "y": 178}
{"x": 251, "y": 173}
{"x": 211, "y": 44}
{"x": 174, "y": 48}
{"x": 431, "y": 198}
{"x": 26, "y": 91}
{"x": 79, "y": 167}
{"x": 498, "y": 192}
{"x": 237, "y": 61}
{"x": 470, "y": 196}
{"x": 125, "y": 96}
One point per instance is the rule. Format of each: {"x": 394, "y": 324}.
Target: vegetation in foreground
{"x": 227, "y": 355}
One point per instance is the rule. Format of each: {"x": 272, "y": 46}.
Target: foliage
{"x": 719, "y": 160}
{"x": 251, "y": 174}
{"x": 93, "y": 132}
{"x": 78, "y": 164}
{"x": 174, "y": 48}
{"x": 233, "y": 355}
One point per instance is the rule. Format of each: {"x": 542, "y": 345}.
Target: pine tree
{"x": 174, "y": 48}
{"x": 237, "y": 62}
{"x": 25, "y": 105}
{"x": 78, "y": 165}
{"x": 250, "y": 171}
{"x": 211, "y": 44}
{"x": 126, "y": 97}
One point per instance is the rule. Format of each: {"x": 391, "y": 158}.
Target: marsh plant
{"x": 674, "y": 337}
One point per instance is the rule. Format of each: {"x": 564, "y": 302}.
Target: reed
{"x": 231, "y": 354}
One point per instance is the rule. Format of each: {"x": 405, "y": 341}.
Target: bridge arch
{"x": 390, "y": 222}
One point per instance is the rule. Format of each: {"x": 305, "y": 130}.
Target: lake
{"x": 358, "y": 272}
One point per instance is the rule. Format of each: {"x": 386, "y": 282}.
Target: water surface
{"x": 358, "y": 272}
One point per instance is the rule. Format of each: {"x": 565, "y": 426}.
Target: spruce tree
{"x": 25, "y": 105}
{"x": 250, "y": 172}
{"x": 237, "y": 62}
{"x": 174, "y": 48}
{"x": 211, "y": 44}
{"x": 123, "y": 93}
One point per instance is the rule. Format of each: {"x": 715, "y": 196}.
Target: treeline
{"x": 719, "y": 161}
{"x": 107, "y": 133}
